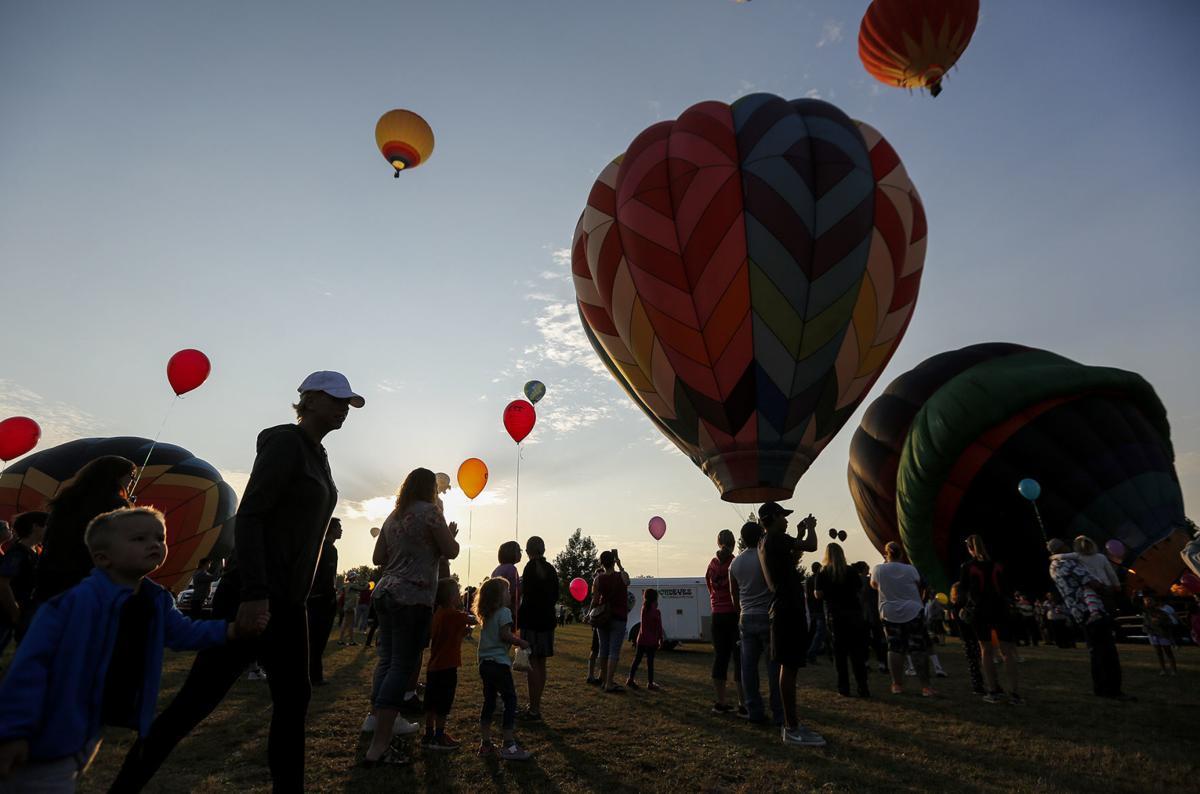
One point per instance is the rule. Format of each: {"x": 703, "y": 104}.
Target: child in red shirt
{"x": 649, "y": 639}
{"x": 446, "y": 633}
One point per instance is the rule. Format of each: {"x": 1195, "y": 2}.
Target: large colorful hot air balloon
{"x": 745, "y": 273}
{"x": 939, "y": 456}
{"x": 404, "y": 139}
{"x": 199, "y": 505}
{"x": 913, "y": 43}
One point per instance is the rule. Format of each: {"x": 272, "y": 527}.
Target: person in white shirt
{"x": 752, "y": 601}
{"x": 903, "y": 615}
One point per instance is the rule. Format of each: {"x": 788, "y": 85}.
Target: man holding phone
{"x": 779, "y": 554}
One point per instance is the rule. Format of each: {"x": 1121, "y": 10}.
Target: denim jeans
{"x": 756, "y": 640}
{"x": 611, "y": 637}
{"x": 497, "y": 680}
{"x": 403, "y": 629}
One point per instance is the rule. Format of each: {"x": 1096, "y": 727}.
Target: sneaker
{"x": 1016, "y": 700}
{"x": 514, "y": 752}
{"x": 368, "y": 725}
{"x": 486, "y": 749}
{"x": 897, "y": 689}
{"x": 942, "y": 674}
{"x": 743, "y": 712}
{"x": 631, "y": 684}
{"x": 721, "y": 708}
{"x": 928, "y": 692}
{"x": 402, "y": 727}
{"x": 979, "y": 691}
{"x": 910, "y": 672}
{"x": 594, "y": 681}
{"x": 529, "y": 715}
{"x": 653, "y": 687}
{"x": 444, "y": 743}
{"x": 802, "y": 736}
{"x": 993, "y": 697}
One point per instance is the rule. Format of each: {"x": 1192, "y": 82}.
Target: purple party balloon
{"x": 1115, "y": 549}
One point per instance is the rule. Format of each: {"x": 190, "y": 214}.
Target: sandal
{"x": 390, "y": 757}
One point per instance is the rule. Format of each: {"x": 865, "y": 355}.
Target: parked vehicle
{"x": 683, "y": 602}
{"x": 184, "y": 600}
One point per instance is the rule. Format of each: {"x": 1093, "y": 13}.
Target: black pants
{"x": 283, "y": 652}
{"x": 850, "y": 638}
{"x": 321, "y": 612}
{"x": 642, "y": 650}
{"x": 725, "y": 646}
{"x": 878, "y": 640}
{"x": 1106, "y": 664}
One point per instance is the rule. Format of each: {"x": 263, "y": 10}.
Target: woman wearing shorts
{"x": 612, "y": 588}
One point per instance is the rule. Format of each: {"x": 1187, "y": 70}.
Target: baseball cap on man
{"x": 334, "y": 384}
{"x": 770, "y": 509}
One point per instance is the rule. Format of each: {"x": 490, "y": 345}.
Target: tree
{"x": 578, "y": 559}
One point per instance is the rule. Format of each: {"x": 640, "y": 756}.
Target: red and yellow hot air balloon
{"x": 404, "y": 138}
{"x": 913, "y": 43}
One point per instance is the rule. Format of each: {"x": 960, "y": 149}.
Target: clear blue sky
{"x": 204, "y": 174}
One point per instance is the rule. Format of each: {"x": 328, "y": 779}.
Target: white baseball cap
{"x": 334, "y": 384}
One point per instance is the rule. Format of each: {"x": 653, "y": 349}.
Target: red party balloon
{"x": 187, "y": 369}
{"x": 658, "y": 527}
{"x": 18, "y": 435}
{"x": 519, "y": 418}
{"x": 579, "y": 589}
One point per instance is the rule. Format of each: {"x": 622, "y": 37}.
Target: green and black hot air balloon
{"x": 938, "y": 457}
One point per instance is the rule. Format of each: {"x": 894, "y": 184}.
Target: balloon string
{"x": 470, "y": 527}
{"x": 138, "y": 477}
{"x": 517, "y": 500}
{"x": 1038, "y": 513}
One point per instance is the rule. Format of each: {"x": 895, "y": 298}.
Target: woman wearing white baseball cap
{"x": 279, "y": 531}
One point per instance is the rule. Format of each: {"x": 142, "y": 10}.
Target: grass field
{"x": 1064, "y": 739}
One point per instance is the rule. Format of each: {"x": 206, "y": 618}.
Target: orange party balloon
{"x": 472, "y": 477}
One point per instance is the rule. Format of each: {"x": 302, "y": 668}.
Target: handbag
{"x": 600, "y": 616}
{"x": 521, "y": 661}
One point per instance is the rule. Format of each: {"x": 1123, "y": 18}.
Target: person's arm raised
{"x": 444, "y": 535}
{"x": 808, "y": 538}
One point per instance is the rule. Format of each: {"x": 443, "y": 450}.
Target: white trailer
{"x": 683, "y": 602}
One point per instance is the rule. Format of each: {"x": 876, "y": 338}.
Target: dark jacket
{"x": 325, "y": 583}
{"x": 283, "y": 517}
{"x": 65, "y": 560}
{"x": 539, "y": 594}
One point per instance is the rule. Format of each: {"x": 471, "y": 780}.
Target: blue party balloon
{"x": 1030, "y": 489}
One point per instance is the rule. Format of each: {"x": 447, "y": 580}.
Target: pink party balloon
{"x": 658, "y": 528}
{"x": 579, "y": 589}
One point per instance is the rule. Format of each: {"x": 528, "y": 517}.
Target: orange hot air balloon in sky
{"x": 913, "y": 43}
{"x": 405, "y": 139}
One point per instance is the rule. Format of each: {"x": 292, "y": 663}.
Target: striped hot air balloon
{"x": 198, "y": 504}
{"x": 913, "y": 43}
{"x": 745, "y": 273}
{"x": 939, "y": 456}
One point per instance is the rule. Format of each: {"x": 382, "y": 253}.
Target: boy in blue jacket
{"x": 93, "y": 657}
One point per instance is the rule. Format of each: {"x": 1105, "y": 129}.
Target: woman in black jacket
{"x": 281, "y": 526}
{"x": 100, "y": 486}
{"x": 837, "y": 588}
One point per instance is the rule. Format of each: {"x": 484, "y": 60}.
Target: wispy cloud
{"x": 744, "y": 87}
{"x": 831, "y": 33}
{"x": 60, "y": 422}
{"x": 812, "y": 93}
{"x": 390, "y": 385}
